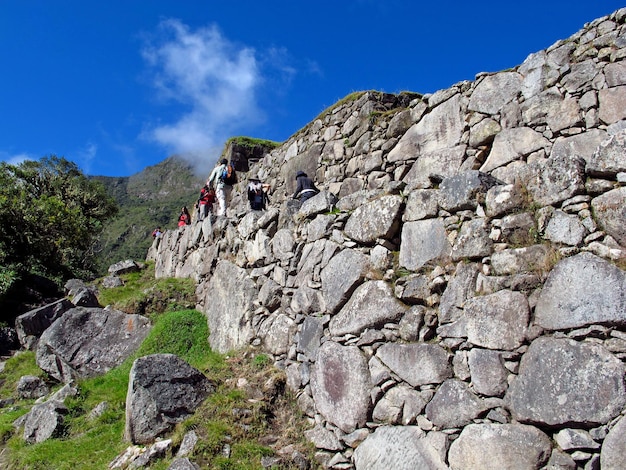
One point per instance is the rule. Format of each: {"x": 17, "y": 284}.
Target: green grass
{"x": 93, "y": 443}
{"x": 142, "y": 293}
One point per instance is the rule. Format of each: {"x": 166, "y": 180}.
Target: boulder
{"x": 340, "y": 384}
{"x": 30, "y": 386}
{"x": 371, "y": 305}
{"x": 30, "y": 325}
{"x": 390, "y": 447}
{"x": 124, "y": 267}
{"x": 377, "y": 219}
{"x": 229, "y": 307}
{"x": 498, "y": 446}
{"x": 582, "y": 290}
{"x": 163, "y": 390}
{"x": 610, "y": 211}
{"x": 564, "y": 382}
{"x": 416, "y": 363}
{"x": 44, "y": 421}
{"x": 341, "y": 276}
{"x": 86, "y": 342}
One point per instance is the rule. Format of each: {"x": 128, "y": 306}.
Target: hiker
{"x": 306, "y": 188}
{"x": 205, "y": 202}
{"x": 157, "y": 232}
{"x": 184, "y": 218}
{"x": 257, "y": 194}
{"x": 223, "y": 177}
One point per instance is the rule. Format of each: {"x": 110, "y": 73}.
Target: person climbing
{"x": 305, "y": 188}
{"x": 256, "y": 194}
{"x": 223, "y": 177}
{"x": 184, "y": 218}
{"x": 157, "y": 232}
{"x": 205, "y": 201}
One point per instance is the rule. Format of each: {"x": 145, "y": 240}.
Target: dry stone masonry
{"x": 455, "y": 296}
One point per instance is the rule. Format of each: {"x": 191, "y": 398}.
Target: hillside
{"x": 150, "y": 198}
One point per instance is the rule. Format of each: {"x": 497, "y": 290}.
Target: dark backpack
{"x": 229, "y": 176}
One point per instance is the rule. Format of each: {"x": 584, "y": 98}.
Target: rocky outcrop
{"x": 454, "y": 297}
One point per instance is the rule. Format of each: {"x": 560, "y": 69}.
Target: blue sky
{"x": 119, "y": 85}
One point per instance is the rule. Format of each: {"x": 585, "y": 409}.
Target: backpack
{"x": 229, "y": 176}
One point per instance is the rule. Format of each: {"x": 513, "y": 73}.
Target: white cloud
{"x": 213, "y": 79}
{"x": 85, "y": 157}
{"x": 15, "y": 159}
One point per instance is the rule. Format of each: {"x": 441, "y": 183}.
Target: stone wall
{"x": 455, "y": 296}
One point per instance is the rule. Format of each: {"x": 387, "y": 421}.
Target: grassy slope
{"x": 229, "y": 417}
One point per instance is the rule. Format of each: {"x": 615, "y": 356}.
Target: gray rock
{"x": 397, "y": 447}
{"x": 124, "y": 267}
{"x": 513, "y": 144}
{"x": 44, "y": 421}
{"x": 110, "y": 282}
{"x": 283, "y": 244}
{"x": 454, "y": 405}
{"x": 277, "y": 332}
{"x": 423, "y": 241}
{"x": 497, "y": 321}
{"x": 87, "y": 342}
{"x": 610, "y": 211}
{"x": 614, "y": 447}
{"x": 190, "y": 439}
{"x": 32, "y": 324}
{"x": 499, "y": 446}
{"x": 341, "y": 276}
{"x": 307, "y": 300}
{"x": 575, "y": 439}
{"x": 417, "y": 363}
{"x": 85, "y": 297}
{"x": 340, "y": 385}
{"x": 461, "y": 191}
{"x": 608, "y": 159}
{"x": 183, "y": 464}
{"x": 270, "y": 295}
{"x": 562, "y": 382}
{"x": 535, "y": 258}
{"x": 377, "y": 219}
{"x": 460, "y": 288}
{"x": 30, "y": 386}
{"x": 565, "y": 228}
{"x": 582, "y": 290}
{"x": 560, "y": 460}
{"x": 489, "y": 376}
{"x": 371, "y": 305}
{"x": 494, "y": 91}
{"x": 310, "y": 335}
{"x": 400, "y": 405}
{"x": 421, "y": 204}
{"x": 322, "y": 438}
{"x": 229, "y": 306}
{"x": 555, "y": 179}
{"x": 443, "y": 163}
{"x": 440, "y": 129}
{"x": 503, "y": 199}
{"x": 319, "y": 227}
{"x": 473, "y": 240}
{"x": 324, "y": 201}
{"x": 163, "y": 390}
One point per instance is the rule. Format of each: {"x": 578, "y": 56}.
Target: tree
{"x": 50, "y": 216}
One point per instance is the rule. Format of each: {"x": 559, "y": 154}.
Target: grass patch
{"x": 145, "y": 295}
{"x": 235, "y": 418}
